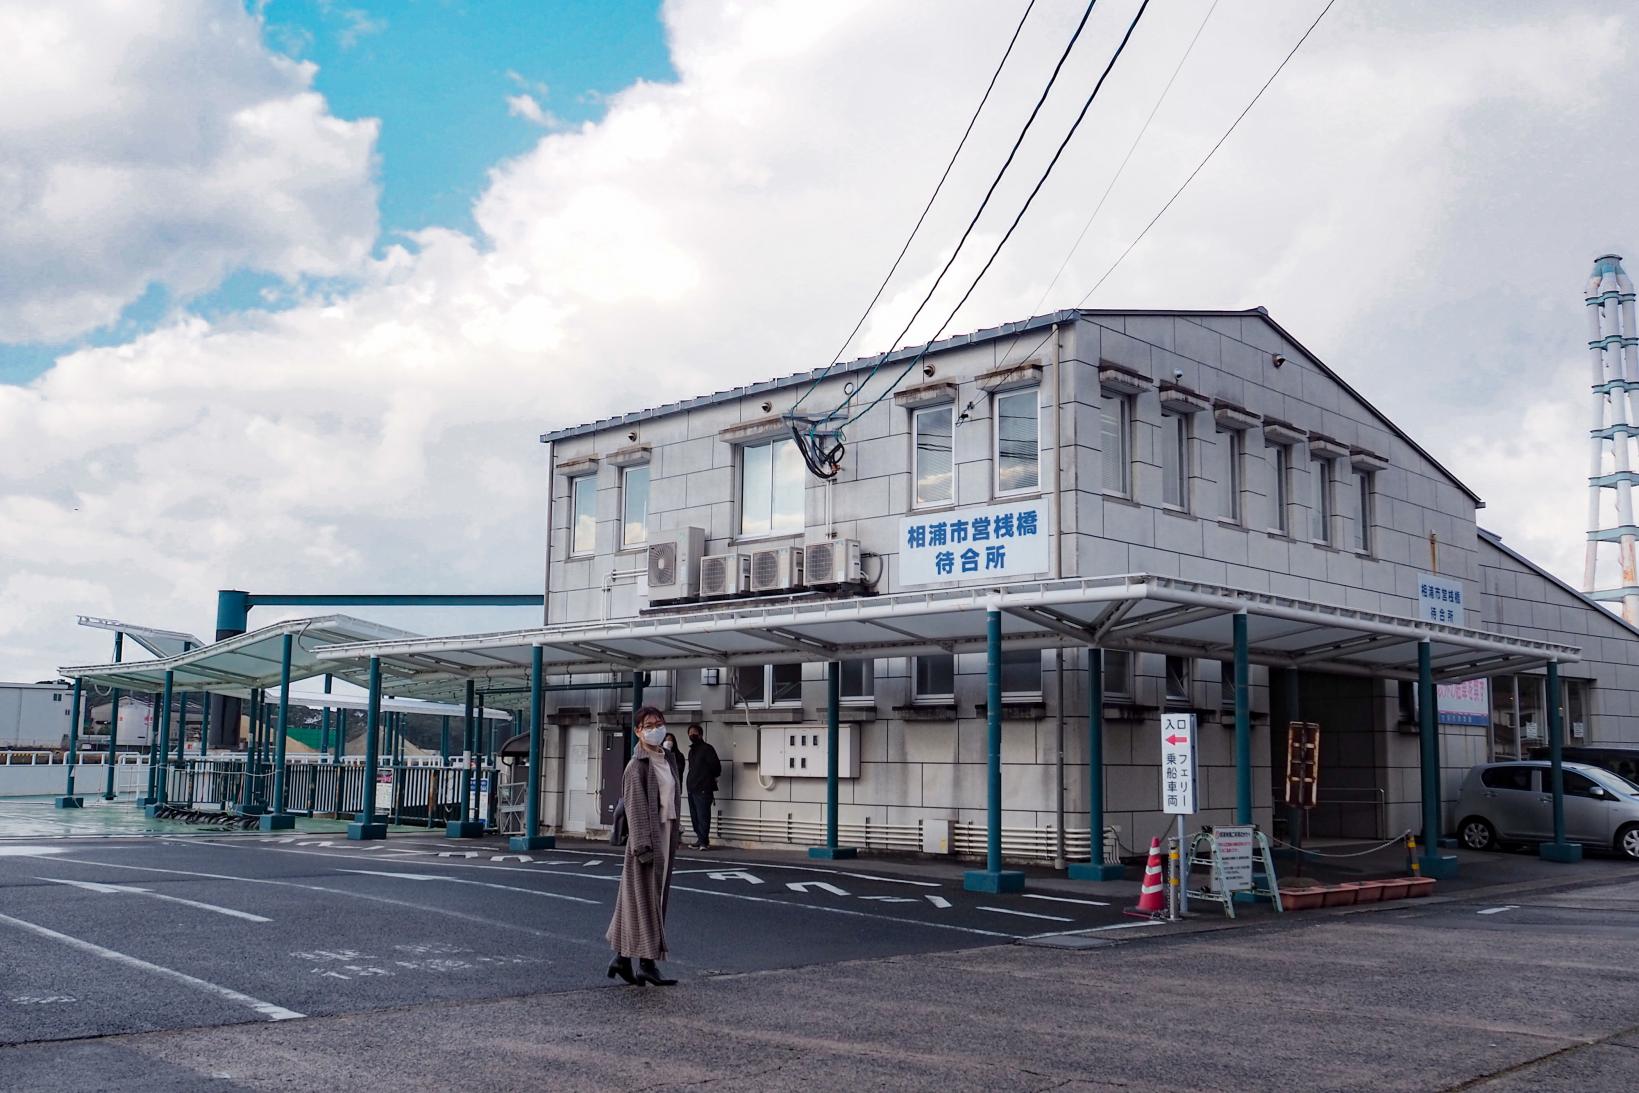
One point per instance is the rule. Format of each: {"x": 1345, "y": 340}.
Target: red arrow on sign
{"x": 1177, "y": 739}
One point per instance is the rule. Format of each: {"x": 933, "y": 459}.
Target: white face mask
{"x": 654, "y": 736}
{"x": 668, "y": 745}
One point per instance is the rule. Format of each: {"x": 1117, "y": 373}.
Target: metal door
{"x": 576, "y": 798}
{"x": 1513, "y": 802}
{"x": 612, "y": 767}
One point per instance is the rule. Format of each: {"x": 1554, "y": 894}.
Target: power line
{"x": 1019, "y": 140}
{"x": 991, "y": 86}
{"x": 1040, "y": 182}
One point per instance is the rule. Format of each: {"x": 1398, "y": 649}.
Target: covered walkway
{"x": 1136, "y": 612}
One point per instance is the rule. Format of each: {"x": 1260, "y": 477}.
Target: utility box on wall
{"x": 799, "y": 751}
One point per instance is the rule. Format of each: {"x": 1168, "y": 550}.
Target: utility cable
{"x": 985, "y": 98}
{"x": 989, "y": 193}
{"x": 1212, "y": 151}
{"x": 1040, "y": 182}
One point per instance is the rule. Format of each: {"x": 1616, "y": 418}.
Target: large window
{"x": 1117, "y": 444}
{"x": 634, "y": 506}
{"x": 1320, "y": 512}
{"x": 768, "y": 685}
{"x": 1364, "y": 512}
{"x": 1175, "y": 460}
{"x": 935, "y": 471}
{"x": 1278, "y": 461}
{"x": 1231, "y": 462}
{"x": 1018, "y": 446}
{"x": 583, "y": 514}
{"x": 771, "y": 488}
{"x": 1021, "y": 673}
{"x": 859, "y": 681}
{"x": 935, "y": 678}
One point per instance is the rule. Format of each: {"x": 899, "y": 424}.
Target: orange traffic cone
{"x": 1151, "y": 902}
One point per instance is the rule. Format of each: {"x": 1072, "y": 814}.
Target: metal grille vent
{"x": 765, "y": 569}
{"x": 714, "y": 575}
{"x": 662, "y": 565}
{"x": 820, "y": 561}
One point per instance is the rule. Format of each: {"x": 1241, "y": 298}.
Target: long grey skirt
{"x": 638, "y": 927}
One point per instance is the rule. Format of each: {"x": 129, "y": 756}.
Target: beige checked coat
{"x": 638, "y": 928}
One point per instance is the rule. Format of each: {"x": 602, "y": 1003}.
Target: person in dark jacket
{"x": 704, "y": 770}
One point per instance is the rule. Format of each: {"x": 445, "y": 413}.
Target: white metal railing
{"x": 812, "y": 832}
{"x": 30, "y": 758}
{"x": 1035, "y": 843}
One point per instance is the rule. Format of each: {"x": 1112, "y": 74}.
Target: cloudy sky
{"x": 290, "y": 289}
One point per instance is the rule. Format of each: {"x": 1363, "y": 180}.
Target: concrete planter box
{"x": 1340, "y": 895}
{"x": 1419, "y": 886}
{"x": 1301, "y": 899}
{"x": 1393, "y": 889}
{"x": 1369, "y": 891}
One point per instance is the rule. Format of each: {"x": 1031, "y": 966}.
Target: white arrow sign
{"x": 805, "y": 885}
{"x": 129, "y": 889}
{"x": 736, "y": 875}
{"x": 889, "y": 899}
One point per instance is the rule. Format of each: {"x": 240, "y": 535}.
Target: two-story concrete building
{"x": 1208, "y": 449}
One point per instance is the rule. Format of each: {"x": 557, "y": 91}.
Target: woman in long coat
{"x": 653, "y": 796}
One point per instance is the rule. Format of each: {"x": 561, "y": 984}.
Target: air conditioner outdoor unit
{"x": 776, "y": 570}
{"x": 725, "y": 574}
{"x": 832, "y": 562}
{"x": 674, "y": 564}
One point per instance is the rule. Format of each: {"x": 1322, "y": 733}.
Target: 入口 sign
{"x": 981, "y": 543}
{"x": 1178, "y": 764}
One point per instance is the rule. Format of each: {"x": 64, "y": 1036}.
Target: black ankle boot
{"x": 622, "y": 966}
{"x": 649, "y": 972}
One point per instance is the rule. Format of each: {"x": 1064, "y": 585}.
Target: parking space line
{"x": 1498, "y": 910}
{"x": 474, "y": 883}
{"x": 266, "y": 1009}
{"x": 113, "y": 889}
{"x": 1067, "y": 899}
{"x": 1024, "y": 914}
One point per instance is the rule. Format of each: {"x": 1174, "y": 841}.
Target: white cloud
{"x": 1413, "y": 199}
{"x": 163, "y": 143}
{"x": 524, "y": 105}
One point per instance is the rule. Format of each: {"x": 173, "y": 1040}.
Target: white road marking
{"x": 112, "y": 889}
{"x": 30, "y": 851}
{"x": 1067, "y": 899}
{"x": 736, "y": 874}
{"x": 1498, "y": 910}
{"x": 822, "y": 908}
{"x": 805, "y": 885}
{"x": 474, "y": 883}
{"x": 1024, "y": 914}
{"x": 938, "y": 901}
{"x": 889, "y": 899}
{"x": 266, "y": 1009}
{"x": 1128, "y": 925}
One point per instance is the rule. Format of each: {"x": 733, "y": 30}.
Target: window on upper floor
{"x": 1118, "y": 675}
{"x": 1175, "y": 460}
{"x": 859, "y": 680}
{"x": 1021, "y": 673}
{"x": 583, "y": 514}
{"x": 768, "y": 685}
{"x": 1231, "y": 470}
{"x": 1116, "y": 443}
{"x": 634, "y": 506}
{"x": 934, "y": 678}
{"x": 1180, "y": 679}
{"x": 1365, "y": 510}
{"x": 772, "y": 478}
{"x": 687, "y": 688}
{"x": 1320, "y": 512}
{"x": 1278, "y": 468}
{"x": 1226, "y": 684}
{"x": 934, "y": 472}
{"x": 1018, "y": 443}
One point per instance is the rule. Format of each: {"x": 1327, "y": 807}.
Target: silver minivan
{"x": 1513, "y": 802}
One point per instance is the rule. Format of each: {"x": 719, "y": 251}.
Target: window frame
{"x": 625, "y": 500}
{"x": 1178, "y": 446}
{"x": 590, "y": 480}
{"x": 773, "y": 445}
{"x": 1186, "y": 700}
{"x": 699, "y": 699}
{"x": 1281, "y": 479}
{"x": 1226, "y": 684}
{"x": 917, "y": 502}
{"x": 1123, "y": 405}
{"x": 996, "y": 399}
{"x": 1323, "y": 511}
{"x": 1033, "y": 694}
{"x": 766, "y": 700}
{"x": 932, "y": 698}
{"x": 1366, "y": 510}
{"x": 1233, "y": 467}
{"x": 1124, "y": 687}
{"x": 867, "y": 693}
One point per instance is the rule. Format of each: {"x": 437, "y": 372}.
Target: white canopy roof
{"x": 239, "y": 664}
{"x": 389, "y": 704}
{"x": 1139, "y": 612}
{"x": 161, "y": 643}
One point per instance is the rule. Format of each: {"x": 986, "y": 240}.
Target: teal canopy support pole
{"x": 531, "y": 839}
{"x": 340, "y": 742}
{"x": 114, "y": 719}
{"x": 68, "y": 800}
{"x": 204, "y": 723}
{"x": 158, "y": 790}
{"x": 1243, "y": 724}
{"x": 1559, "y": 850}
{"x": 366, "y": 827}
{"x": 444, "y": 740}
{"x": 248, "y": 803}
{"x": 156, "y": 757}
{"x": 1433, "y": 863}
{"x": 182, "y": 722}
{"x": 466, "y": 827}
{"x": 324, "y": 721}
{"x": 992, "y": 878}
{"x": 1095, "y": 867}
{"x": 833, "y": 759}
{"x": 280, "y": 819}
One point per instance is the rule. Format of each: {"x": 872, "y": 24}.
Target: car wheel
{"x": 1627, "y": 842}
{"x": 1478, "y": 834}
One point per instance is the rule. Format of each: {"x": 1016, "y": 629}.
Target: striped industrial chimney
{"x": 1613, "y": 346}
